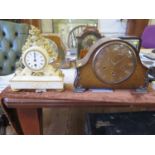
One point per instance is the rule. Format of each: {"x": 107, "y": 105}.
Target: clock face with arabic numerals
{"x": 114, "y": 62}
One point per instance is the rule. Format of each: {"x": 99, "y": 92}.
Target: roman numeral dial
{"x": 35, "y": 60}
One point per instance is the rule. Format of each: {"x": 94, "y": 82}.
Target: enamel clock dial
{"x": 114, "y": 62}
{"x": 35, "y": 59}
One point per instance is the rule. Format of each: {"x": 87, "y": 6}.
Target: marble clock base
{"x": 37, "y": 82}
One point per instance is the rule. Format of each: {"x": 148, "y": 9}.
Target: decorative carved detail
{"x": 35, "y": 38}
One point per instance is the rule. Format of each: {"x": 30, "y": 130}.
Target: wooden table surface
{"x": 24, "y": 108}
{"x": 70, "y": 98}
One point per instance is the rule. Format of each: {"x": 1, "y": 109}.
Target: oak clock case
{"x": 89, "y": 36}
{"x": 111, "y": 63}
{"x": 133, "y": 40}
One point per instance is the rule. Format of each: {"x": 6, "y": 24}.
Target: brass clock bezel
{"x": 107, "y": 44}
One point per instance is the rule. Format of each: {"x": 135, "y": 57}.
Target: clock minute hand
{"x": 119, "y": 61}
{"x": 34, "y": 56}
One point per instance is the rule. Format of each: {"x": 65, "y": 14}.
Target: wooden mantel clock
{"x": 111, "y": 63}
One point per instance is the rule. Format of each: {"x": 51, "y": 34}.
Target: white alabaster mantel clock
{"x": 38, "y": 67}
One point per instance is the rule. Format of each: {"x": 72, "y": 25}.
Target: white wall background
{"x": 110, "y": 27}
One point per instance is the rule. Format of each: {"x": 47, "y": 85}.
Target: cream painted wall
{"x": 46, "y": 25}
{"x": 119, "y": 27}
{"x": 106, "y": 26}
{"x": 152, "y": 22}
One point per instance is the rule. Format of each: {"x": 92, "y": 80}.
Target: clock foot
{"x": 15, "y": 89}
{"x": 59, "y": 90}
{"x": 40, "y": 90}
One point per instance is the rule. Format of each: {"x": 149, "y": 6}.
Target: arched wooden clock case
{"x": 111, "y": 63}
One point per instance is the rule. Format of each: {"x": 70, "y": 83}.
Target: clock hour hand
{"x": 34, "y": 56}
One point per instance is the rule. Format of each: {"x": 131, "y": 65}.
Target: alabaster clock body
{"x": 111, "y": 63}
{"x": 38, "y": 67}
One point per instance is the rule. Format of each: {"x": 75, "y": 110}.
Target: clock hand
{"x": 34, "y": 56}
{"x": 119, "y": 61}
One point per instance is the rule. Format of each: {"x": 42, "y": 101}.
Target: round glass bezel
{"x": 98, "y": 52}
